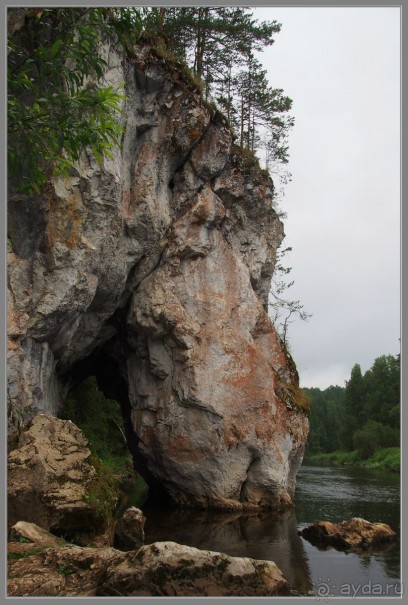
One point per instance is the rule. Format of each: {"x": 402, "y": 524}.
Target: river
{"x": 322, "y": 492}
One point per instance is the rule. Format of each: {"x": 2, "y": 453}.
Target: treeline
{"x": 362, "y": 417}
{"x": 58, "y": 102}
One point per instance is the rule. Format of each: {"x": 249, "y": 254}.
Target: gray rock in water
{"x": 170, "y": 569}
{"x": 352, "y": 534}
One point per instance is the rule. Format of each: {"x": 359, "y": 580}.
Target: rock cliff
{"x": 152, "y": 272}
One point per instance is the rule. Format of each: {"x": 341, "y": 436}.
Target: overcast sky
{"x": 341, "y": 67}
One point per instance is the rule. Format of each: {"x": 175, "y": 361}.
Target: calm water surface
{"x": 322, "y": 492}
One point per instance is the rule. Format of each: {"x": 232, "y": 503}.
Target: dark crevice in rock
{"x": 187, "y": 156}
{"x": 145, "y": 275}
{"x": 243, "y": 493}
{"x": 242, "y": 496}
{"x": 106, "y": 364}
{"x": 26, "y": 220}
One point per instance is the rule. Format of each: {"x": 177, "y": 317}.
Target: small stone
{"x": 129, "y": 530}
{"x": 34, "y": 533}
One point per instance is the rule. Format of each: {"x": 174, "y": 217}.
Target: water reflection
{"x": 322, "y": 493}
{"x": 266, "y": 535}
{"x": 335, "y": 494}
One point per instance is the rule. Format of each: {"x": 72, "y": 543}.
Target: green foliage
{"x": 347, "y": 457}
{"x": 371, "y": 414}
{"x": 65, "y": 569}
{"x": 360, "y": 419}
{"x": 211, "y": 36}
{"x": 373, "y": 436}
{"x": 219, "y": 44}
{"x": 325, "y": 418}
{"x": 382, "y": 396}
{"x": 23, "y": 539}
{"x": 387, "y": 459}
{"x": 58, "y": 103}
{"x": 299, "y": 398}
{"x": 337, "y": 457}
{"x": 101, "y": 421}
{"x": 104, "y": 492}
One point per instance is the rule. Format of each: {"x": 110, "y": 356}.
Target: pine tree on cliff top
{"x": 219, "y": 43}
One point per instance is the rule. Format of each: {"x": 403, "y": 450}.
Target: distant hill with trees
{"x": 361, "y": 421}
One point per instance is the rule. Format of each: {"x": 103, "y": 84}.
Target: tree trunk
{"x": 201, "y": 41}
{"x": 242, "y": 122}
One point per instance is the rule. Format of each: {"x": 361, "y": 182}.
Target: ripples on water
{"x": 335, "y": 494}
{"x": 330, "y": 493}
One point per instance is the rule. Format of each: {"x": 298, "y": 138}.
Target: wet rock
{"x": 129, "y": 530}
{"x": 170, "y": 569}
{"x": 160, "y": 569}
{"x": 353, "y": 534}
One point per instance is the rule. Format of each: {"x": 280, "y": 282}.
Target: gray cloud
{"x": 341, "y": 68}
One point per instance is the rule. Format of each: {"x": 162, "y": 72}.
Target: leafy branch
{"x": 58, "y": 103}
{"x": 284, "y": 311}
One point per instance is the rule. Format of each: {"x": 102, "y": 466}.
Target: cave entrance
{"x": 98, "y": 404}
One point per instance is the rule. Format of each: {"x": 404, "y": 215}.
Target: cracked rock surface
{"x": 49, "y": 476}
{"x": 159, "y": 569}
{"x": 160, "y": 260}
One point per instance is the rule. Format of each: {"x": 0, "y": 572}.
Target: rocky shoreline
{"x": 43, "y": 565}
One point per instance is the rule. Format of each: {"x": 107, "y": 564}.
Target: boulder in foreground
{"x": 171, "y": 569}
{"x": 159, "y": 569}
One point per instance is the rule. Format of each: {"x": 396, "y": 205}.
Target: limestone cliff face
{"x": 152, "y": 272}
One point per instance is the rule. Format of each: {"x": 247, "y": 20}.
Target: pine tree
{"x": 353, "y": 417}
{"x": 217, "y": 42}
{"x": 383, "y": 391}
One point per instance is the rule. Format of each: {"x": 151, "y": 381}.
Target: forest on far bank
{"x": 358, "y": 423}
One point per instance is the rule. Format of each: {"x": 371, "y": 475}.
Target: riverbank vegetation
{"x": 388, "y": 459}
{"x": 360, "y": 423}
